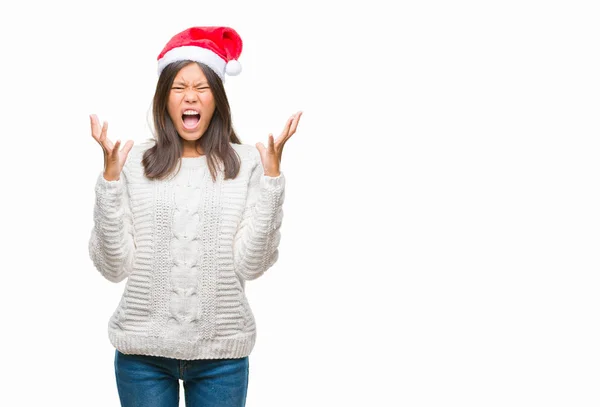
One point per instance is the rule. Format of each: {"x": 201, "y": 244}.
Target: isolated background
{"x": 440, "y": 244}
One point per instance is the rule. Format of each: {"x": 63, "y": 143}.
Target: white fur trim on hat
{"x": 193, "y": 53}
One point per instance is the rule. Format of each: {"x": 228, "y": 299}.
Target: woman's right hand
{"x": 113, "y": 158}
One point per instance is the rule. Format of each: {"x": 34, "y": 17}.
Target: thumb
{"x": 127, "y": 148}
{"x": 261, "y": 148}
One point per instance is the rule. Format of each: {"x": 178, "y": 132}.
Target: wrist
{"x": 109, "y": 178}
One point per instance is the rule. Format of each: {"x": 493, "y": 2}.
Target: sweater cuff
{"x": 273, "y": 182}
{"x": 111, "y": 187}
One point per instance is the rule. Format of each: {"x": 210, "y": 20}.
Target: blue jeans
{"x": 153, "y": 381}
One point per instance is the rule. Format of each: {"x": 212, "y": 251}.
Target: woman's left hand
{"x": 271, "y": 156}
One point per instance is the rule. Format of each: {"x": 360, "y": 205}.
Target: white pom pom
{"x": 233, "y": 68}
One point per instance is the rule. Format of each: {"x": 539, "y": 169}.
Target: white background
{"x": 440, "y": 244}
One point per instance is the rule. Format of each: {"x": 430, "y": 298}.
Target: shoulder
{"x": 136, "y": 154}
{"x": 133, "y": 167}
{"x": 251, "y": 163}
{"x": 247, "y": 152}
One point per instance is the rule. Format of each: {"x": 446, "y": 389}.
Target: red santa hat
{"x": 217, "y": 47}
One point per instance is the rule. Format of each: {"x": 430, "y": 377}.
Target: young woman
{"x": 187, "y": 217}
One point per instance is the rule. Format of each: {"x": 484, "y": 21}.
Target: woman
{"x": 187, "y": 217}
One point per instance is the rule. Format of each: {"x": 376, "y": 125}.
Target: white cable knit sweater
{"x": 186, "y": 246}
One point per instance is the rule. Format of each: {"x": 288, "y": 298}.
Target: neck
{"x": 191, "y": 150}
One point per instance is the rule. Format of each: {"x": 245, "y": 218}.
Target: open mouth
{"x": 190, "y": 119}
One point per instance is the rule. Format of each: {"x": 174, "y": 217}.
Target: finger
{"x": 126, "y": 149}
{"x": 295, "y": 124}
{"x": 102, "y": 137}
{"x": 95, "y": 127}
{"x": 97, "y": 131}
{"x": 271, "y": 144}
{"x": 286, "y": 128}
{"x": 115, "y": 151}
{"x": 108, "y": 141}
{"x": 261, "y": 148}
{"x": 104, "y": 140}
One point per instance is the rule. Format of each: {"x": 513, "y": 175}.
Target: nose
{"x": 190, "y": 95}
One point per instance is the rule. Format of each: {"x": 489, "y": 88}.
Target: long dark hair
{"x": 163, "y": 158}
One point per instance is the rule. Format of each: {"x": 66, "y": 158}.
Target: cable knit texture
{"x": 186, "y": 246}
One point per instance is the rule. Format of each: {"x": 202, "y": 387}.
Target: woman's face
{"x": 191, "y": 104}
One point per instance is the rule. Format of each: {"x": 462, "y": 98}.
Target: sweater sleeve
{"x": 257, "y": 238}
{"x": 112, "y": 244}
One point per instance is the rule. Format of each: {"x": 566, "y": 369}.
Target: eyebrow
{"x": 184, "y": 83}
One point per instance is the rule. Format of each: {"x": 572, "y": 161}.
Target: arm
{"x": 257, "y": 238}
{"x": 112, "y": 245}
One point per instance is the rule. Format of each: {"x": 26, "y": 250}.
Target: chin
{"x": 189, "y": 136}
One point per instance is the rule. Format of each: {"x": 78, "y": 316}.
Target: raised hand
{"x": 271, "y": 155}
{"x": 114, "y": 159}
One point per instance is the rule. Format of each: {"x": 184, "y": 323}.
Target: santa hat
{"x": 217, "y": 47}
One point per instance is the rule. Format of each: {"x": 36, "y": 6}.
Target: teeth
{"x": 190, "y": 112}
